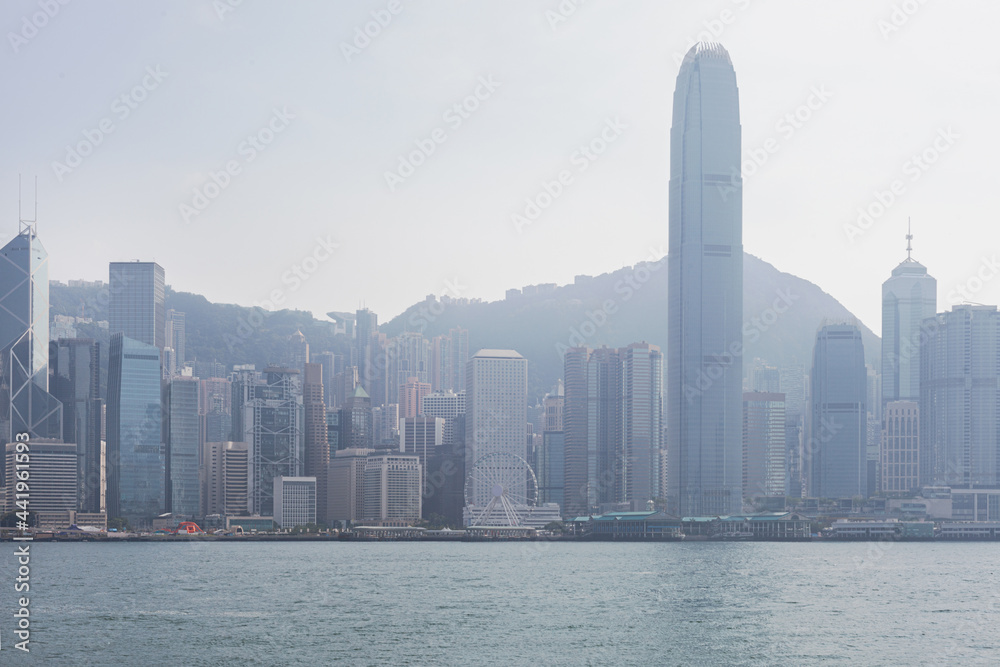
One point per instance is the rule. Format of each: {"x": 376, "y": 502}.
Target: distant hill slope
{"x": 781, "y": 315}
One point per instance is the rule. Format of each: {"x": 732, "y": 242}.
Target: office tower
{"x": 357, "y": 428}
{"x": 909, "y": 297}
{"x": 74, "y": 381}
{"x": 216, "y": 398}
{"x": 407, "y": 355}
{"x": 268, "y": 416}
{"x": 411, "y": 397}
{"x": 328, "y": 362}
{"x": 136, "y": 306}
{"x": 317, "y": 446}
{"x": 52, "y": 486}
{"x": 763, "y": 445}
{"x": 766, "y": 379}
{"x": 459, "y": 357}
{"x": 209, "y": 369}
{"x": 496, "y": 419}
{"x": 333, "y": 431}
{"x": 364, "y": 353}
{"x": 551, "y": 470}
{"x": 224, "y": 482}
{"x": 294, "y": 501}
{"x": 705, "y": 301}
{"x": 792, "y": 385}
{"x": 344, "y": 384}
{"x": 553, "y": 405}
{"x": 594, "y": 472}
{"x": 959, "y": 397}
{"x": 25, "y": 402}
{"x": 836, "y": 452}
{"x": 183, "y": 440}
{"x": 385, "y": 424}
{"x": 642, "y": 422}
{"x": 136, "y": 467}
{"x": 900, "y": 455}
{"x": 421, "y": 436}
{"x": 392, "y": 489}
{"x": 174, "y": 339}
{"x": 442, "y": 373}
{"x": 347, "y": 484}
{"x": 449, "y": 406}
{"x": 296, "y": 351}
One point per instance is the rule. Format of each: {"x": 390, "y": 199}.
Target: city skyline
{"x": 931, "y": 104}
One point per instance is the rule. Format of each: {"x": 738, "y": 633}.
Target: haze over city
{"x": 873, "y": 85}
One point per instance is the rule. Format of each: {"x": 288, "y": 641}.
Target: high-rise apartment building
{"x": 411, "y": 397}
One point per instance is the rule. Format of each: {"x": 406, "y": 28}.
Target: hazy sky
{"x": 332, "y": 113}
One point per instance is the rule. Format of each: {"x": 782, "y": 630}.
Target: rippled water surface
{"x": 539, "y": 603}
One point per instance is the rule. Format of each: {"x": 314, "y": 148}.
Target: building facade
{"x": 182, "y": 435}
{"x": 705, "y": 300}
{"x": 837, "y": 455}
{"x": 960, "y": 397}
{"x": 137, "y": 292}
{"x": 900, "y": 452}
{"x": 763, "y": 445}
{"x": 294, "y": 501}
{"x": 136, "y": 462}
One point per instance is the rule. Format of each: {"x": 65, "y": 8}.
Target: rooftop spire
{"x": 909, "y": 237}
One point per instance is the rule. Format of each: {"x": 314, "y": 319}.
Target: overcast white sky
{"x": 448, "y": 227}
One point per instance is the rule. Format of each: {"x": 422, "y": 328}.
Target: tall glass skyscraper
{"x": 909, "y": 297}
{"x": 181, "y": 400}
{"x": 76, "y": 369}
{"x": 705, "y": 301}
{"x": 960, "y": 398}
{"x": 836, "y": 451}
{"x": 136, "y": 307}
{"x": 136, "y": 466}
{"x": 25, "y": 402}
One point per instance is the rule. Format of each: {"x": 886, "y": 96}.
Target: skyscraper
{"x": 411, "y": 397}
{"x": 642, "y": 423}
{"x": 183, "y": 440}
{"x": 136, "y": 306}
{"x": 136, "y": 467}
{"x": 900, "y": 452}
{"x": 76, "y": 368}
{"x": 763, "y": 444}
{"x": 496, "y": 411}
{"x": 960, "y": 397}
{"x": 836, "y": 455}
{"x": 317, "y": 445}
{"x": 268, "y": 416}
{"x": 25, "y": 402}
{"x": 909, "y": 297}
{"x": 705, "y": 301}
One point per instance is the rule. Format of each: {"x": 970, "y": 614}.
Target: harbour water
{"x": 507, "y": 603}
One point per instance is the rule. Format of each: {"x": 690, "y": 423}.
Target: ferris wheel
{"x": 500, "y": 489}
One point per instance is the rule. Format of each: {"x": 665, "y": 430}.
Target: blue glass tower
{"x": 135, "y": 458}
{"x": 25, "y": 402}
{"x": 835, "y": 453}
{"x": 705, "y": 300}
